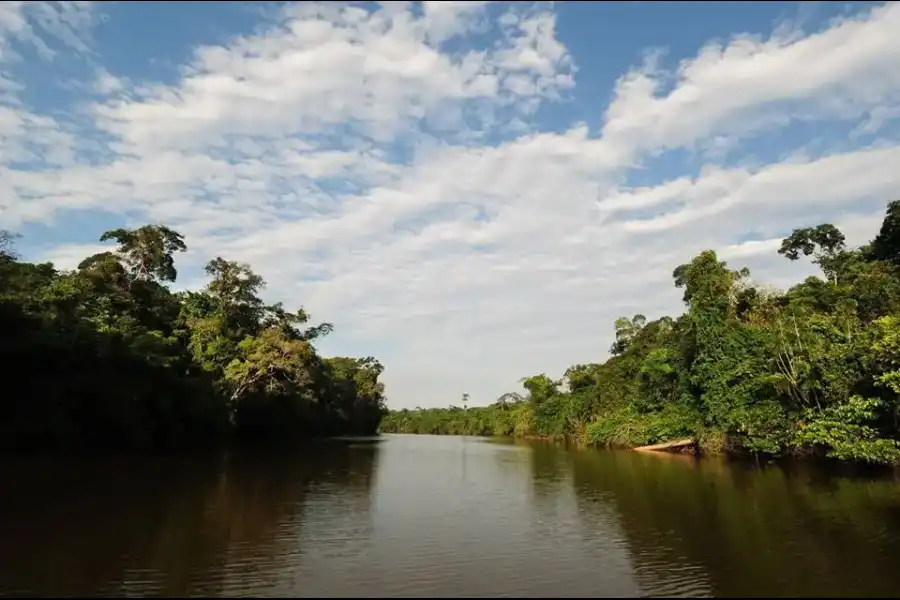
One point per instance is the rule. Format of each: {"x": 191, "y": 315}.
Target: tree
{"x": 886, "y": 245}
{"x": 277, "y": 316}
{"x": 581, "y": 377}
{"x": 825, "y": 242}
{"x": 505, "y": 400}
{"x": 709, "y": 281}
{"x": 540, "y": 388}
{"x": 108, "y": 355}
{"x": 234, "y": 284}
{"x": 148, "y": 251}
{"x": 626, "y": 330}
{"x": 269, "y": 363}
{"x": 7, "y": 240}
{"x": 234, "y": 292}
{"x": 746, "y": 369}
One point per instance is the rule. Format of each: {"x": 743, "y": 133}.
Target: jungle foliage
{"x": 746, "y": 369}
{"x": 108, "y": 355}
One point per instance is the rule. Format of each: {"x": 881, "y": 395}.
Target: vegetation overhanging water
{"x": 106, "y": 355}
{"x": 814, "y": 370}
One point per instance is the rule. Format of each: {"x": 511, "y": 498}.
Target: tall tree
{"x": 7, "y": 239}
{"x": 825, "y": 242}
{"x": 886, "y": 245}
{"x": 148, "y": 251}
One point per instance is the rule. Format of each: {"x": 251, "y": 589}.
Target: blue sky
{"x": 470, "y": 191}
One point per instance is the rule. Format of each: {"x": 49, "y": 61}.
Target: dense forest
{"x": 814, "y": 370}
{"x": 107, "y": 355}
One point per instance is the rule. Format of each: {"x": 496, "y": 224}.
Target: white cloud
{"x": 751, "y": 197}
{"x": 334, "y": 67}
{"x": 68, "y": 256}
{"x": 371, "y": 173}
{"x": 66, "y": 23}
{"x": 844, "y": 71}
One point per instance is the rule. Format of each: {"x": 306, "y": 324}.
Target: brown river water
{"x": 413, "y": 516}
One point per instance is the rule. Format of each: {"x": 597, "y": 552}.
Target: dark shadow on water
{"x": 426, "y": 516}
{"x": 732, "y": 529}
{"x": 174, "y": 525}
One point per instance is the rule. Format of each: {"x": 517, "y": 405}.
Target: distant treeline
{"x": 106, "y": 355}
{"x": 812, "y": 370}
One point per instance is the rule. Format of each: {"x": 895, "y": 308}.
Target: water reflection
{"x": 714, "y": 528}
{"x": 588, "y": 547}
{"x": 173, "y": 526}
{"x": 414, "y": 516}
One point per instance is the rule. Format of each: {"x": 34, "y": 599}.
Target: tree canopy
{"x": 813, "y": 370}
{"x": 107, "y": 355}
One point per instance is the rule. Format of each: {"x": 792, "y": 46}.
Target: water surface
{"x": 413, "y": 516}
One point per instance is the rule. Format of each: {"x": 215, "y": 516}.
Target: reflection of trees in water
{"x": 548, "y": 463}
{"x": 762, "y": 532}
{"x": 602, "y": 490}
{"x": 549, "y": 472}
{"x": 554, "y": 505}
{"x": 337, "y": 516}
{"x": 168, "y": 526}
{"x": 587, "y": 548}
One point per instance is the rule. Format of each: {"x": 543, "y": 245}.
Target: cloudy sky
{"x": 470, "y": 191}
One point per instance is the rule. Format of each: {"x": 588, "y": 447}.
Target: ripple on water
{"x": 443, "y": 517}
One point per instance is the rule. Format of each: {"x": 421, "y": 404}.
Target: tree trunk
{"x": 668, "y": 446}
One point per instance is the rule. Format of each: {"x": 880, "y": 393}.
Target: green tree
{"x": 825, "y": 242}
{"x": 886, "y": 245}
{"x": 106, "y": 355}
{"x": 148, "y": 251}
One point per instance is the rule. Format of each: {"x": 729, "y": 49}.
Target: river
{"x": 414, "y": 516}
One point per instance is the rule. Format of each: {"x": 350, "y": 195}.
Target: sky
{"x": 470, "y": 191}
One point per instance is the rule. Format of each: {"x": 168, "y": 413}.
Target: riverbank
{"x": 107, "y": 356}
{"x": 748, "y": 370}
{"x": 707, "y": 446}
